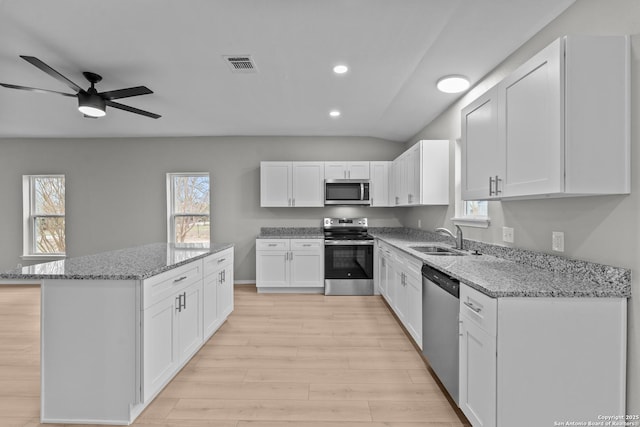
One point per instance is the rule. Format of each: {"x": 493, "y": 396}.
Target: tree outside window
{"x": 189, "y": 209}
{"x": 46, "y": 220}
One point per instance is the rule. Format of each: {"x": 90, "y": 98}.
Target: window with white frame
{"x": 469, "y": 213}
{"x": 44, "y": 216}
{"x": 188, "y": 221}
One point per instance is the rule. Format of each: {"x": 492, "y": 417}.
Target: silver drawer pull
{"x": 306, "y": 245}
{"x": 473, "y": 307}
{"x": 271, "y": 245}
{"x": 221, "y": 260}
{"x": 180, "y": 279}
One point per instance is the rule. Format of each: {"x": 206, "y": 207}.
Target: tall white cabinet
{"x": 557, "y": 126}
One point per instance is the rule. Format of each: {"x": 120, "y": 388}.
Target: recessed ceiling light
{"x": 340, "y": 69}
{"x": 453, "y": 84}
{"x": 334, "y": 113}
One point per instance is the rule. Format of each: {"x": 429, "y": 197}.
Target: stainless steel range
{"x": 348, "y": 257}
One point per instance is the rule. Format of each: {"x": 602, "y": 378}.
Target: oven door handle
{"x": 348, "y": 242}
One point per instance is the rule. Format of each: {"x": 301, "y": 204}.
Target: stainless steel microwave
{"x": 347, "y": 192}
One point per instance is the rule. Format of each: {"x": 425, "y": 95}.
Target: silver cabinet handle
{"x": 289, "y": 201}
{"x": 498, "y": 191}
{"x": 184, "y": 300}
{"x": 472, "y": 307}
{"x": 178, "y": 304}
{"x": 224, "y": 259}
{"x": 491, "y": 186}
{"x": 271, "y": 245}
{"x": 306, "y": 245}
{"x": 180, "y": 279}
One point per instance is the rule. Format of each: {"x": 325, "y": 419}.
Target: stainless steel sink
{"x": 436, "y": 250}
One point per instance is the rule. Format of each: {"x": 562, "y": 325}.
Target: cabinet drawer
{"x": 479, "y": 308}
{"x": 166, "y": 284}
{"x": 272, "y": 244}
{"x": 215, "y": 262}
{"x": 307, "y": 244}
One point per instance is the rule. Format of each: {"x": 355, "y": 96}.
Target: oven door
{"x": 348, "y": 267}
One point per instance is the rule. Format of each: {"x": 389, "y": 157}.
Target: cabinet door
{"x": 414, "y": 308}
{"x": 482, "y": 152}
{"x": 477, "y": 374}
{"x": 413, "y": 175}
{"x": 275, "y": 184}
{"x": 225, "y": 292}
{"x": 272, "y": 268}
{"x": 358, "y": 170}
{"x": 531, "y": 125}
{"x": 400, "y": 298}
{"x": 335, "y": 170}
{"x": 379, "y": 183}
{"x": 307, "y": 269}
{"x": 159, "y": 359}
{"x": 190, "y": 322}
{"x": 210, "y": 313}
{"x": 400, "y": 181}
{"x": 308, "y": 184}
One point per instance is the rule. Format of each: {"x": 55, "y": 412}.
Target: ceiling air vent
{"x": 241, "y": 63}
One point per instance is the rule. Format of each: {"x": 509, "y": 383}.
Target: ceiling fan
{"x": 91, "y": 103}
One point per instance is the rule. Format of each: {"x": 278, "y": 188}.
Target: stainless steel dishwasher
{"x": 440, "y": 312}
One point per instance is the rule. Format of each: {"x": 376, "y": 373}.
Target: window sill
{"x": 47, "y": 257}
{"x": 479, "y": 222}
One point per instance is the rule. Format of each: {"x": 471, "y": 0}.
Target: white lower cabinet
{"x": 183, "y": 307}
{"x": 290, "y": 265}
{"x": 218, "y": 290}
{"x": 400, "y": 284}
{"x": 532, "y": 361}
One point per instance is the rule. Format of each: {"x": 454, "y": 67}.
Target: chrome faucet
{"x": 457, "y": 236}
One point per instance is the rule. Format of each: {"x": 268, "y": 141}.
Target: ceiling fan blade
{"x": 35, "y": 89}
{"x": 53, "y": 73}
{"x": 126, "y": 93}
{"x": 131, "y": 109}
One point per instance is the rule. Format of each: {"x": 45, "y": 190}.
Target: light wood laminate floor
{"x": 279, "y": 361}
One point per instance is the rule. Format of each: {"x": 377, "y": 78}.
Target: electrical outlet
{"x": 507, "y": 234}
{"x": 419, "y": 223}
{"x": 557, "y": 241}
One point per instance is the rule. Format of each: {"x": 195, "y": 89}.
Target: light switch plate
{"x": 507, "y": 234}
{"x": 557, "y": 241}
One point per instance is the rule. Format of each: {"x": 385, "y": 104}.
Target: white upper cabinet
{"x": 380, "y": 183}
{"x": 420, "y": 175}
{"x": 289, "y": 184}
{"x": 308, "y": 184}
{"x": 346, "y": 170}
{"x": 482, "y": 153}
{"x": 562, "y": 122}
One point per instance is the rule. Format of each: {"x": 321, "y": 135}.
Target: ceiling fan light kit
{"x": 91, "y": 103}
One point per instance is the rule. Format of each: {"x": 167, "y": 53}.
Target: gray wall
{"x": 600, "y": 229}
{"x": 116, "y": 188}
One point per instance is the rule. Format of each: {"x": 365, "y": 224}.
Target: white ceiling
{"x": 396, "y": 50}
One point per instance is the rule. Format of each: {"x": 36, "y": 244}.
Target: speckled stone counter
{"x": 510, "y": 272}
{"x": 135, "y": 263}
{"x": 291, "y": 233}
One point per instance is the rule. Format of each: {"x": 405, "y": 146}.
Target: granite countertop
{"x": 500, "y": 277}
{"x": 135, "y": 263}
{"x": 291, "y": 233}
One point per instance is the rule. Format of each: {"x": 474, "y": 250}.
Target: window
{"x": 44, "y": 216}
{"x": 468, "y": 213}
{"x": 188, "y": 222}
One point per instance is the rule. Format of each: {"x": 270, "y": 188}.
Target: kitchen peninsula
{"x": 117, "y": 326}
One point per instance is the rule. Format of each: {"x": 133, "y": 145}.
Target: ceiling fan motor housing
{"x": 91, "y": 104}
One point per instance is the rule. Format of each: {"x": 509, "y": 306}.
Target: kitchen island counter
{"x": 137, "y": 263}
